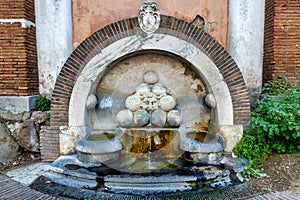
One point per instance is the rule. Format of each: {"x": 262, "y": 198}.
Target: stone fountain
{"x": 151, "y": 129}
{"x": 149, "y": 121}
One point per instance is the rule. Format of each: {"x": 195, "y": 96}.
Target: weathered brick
{"x": 281, "y": 40}
{"x": 18, "y": 50}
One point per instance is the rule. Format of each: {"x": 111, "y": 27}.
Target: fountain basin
{"x": 98, "y": 147}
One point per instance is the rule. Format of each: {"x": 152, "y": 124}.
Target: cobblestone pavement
{"x": 14, "y": 186}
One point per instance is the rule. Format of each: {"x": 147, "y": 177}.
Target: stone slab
{"x": 18, "y": 104}
{"x": 28, "y": 174}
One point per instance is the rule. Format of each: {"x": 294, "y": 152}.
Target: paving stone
{"x": 13, "y": 190}
{"x": 27, "y": 174}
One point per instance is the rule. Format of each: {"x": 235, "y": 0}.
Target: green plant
{"x": 43, "y": 104}
{"x": 274, "y": 124}
{"x": 254, "y": 147}
{"x": 277, "y": 115}
{"x": 252, "y": 172}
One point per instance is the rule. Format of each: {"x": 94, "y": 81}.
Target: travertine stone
{"x": 133, "y": 102}
{"x": 91, "y": 101}
{"x": 158, "y": 118}
{"x": 159, "y": 90}
{"x": 18, "y": 104}
{"x": 57, "y": 17}
{"x": 151, "y": 77}
{"x": 173, "y": 118}
{"x": 68, "y": 137}
{"x": 210, "y": 101}
{"x": 97, "y": 151}
{"x": 232, "y": 135}
{"x": 167, "y": 103}
{"x": 143, "y": 89}
{"x": 95, "y": 69}
{"x": 124, "y": 118}
{"x": 141, "y": 117}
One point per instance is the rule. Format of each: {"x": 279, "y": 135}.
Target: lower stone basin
{"x": 98, "y": 147}
{"x": 98, "y": 136}
{"x": 177, "y": 175}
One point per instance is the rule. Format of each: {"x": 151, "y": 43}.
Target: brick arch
{"x": 128, "y": 27}
{"x": 102, "y": 38}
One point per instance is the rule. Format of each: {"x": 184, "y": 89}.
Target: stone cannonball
{"x": 133, "y": 102}
{"x": 141, "y": 117}
{"x": 167, "y": 103}
{"x": 124, "y": 118}
{"x": 91, "y": 101}
{"x": 210, "y": 101}
{"x": 151, "y": 77}
{"x": 159, "y": 118}
{"x": 159, "y": 90}
{"x": 173, "y": 118}
{"x": 143, "y": 88}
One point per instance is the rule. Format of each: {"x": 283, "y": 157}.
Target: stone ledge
{"x": 18, "y": 104}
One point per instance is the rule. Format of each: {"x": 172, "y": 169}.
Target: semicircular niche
{"x": 192, "y": 78}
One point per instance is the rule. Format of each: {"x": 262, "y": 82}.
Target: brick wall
{"x": 18, "y": 56}
{"x": 49, "y": 140}
{"x": 282, "y": 40}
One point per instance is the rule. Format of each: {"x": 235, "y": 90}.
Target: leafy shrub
{"x": 275, "y": 123}
{"x": 277, "y": 115}
{"x": 43, "y": 104}
{"x": 254, "y": 147}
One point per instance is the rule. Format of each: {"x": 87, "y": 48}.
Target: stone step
{"x": 148, "y": 179}
{"x": 148, "y": 185}
{"x": 150, "y": 188}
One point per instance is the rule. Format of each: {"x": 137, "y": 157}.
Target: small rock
{"x": 28, "y": 136}
{"x": 26, "y": 116}
{"x": 9, "y": 149}
{"x": 39, "y": 117}
{"x": 11, "y": 127}
{"x": 237, "y": 164}
{"x": 241, "y": 178}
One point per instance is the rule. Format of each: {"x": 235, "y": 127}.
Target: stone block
{"x": 67, "y": 138}
{"x": 231, "y": 134}
{"x": 18, "y": 104}
{"x": 8, "y": 146}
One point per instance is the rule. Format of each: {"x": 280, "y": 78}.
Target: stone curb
{"x": 11, "y": 189}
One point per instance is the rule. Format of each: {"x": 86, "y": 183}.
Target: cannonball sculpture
{"x": 149, "y": 105}
{"x": 125, "y": 118}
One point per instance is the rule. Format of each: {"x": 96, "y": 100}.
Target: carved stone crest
{"x": 149, "y": 17}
